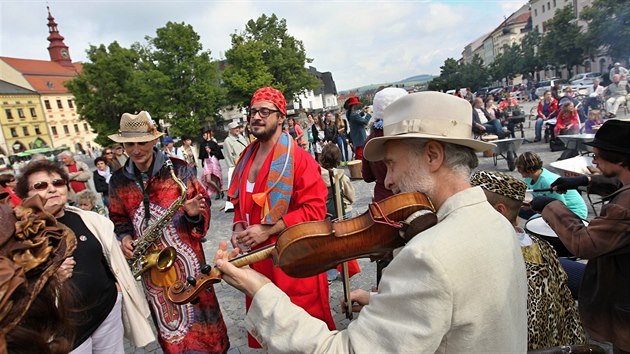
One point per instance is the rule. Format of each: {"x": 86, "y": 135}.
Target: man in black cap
{"x": 604, "y": 298}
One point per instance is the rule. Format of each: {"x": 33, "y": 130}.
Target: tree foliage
{"x": 508, "y": 63}
{"x": 608, "y": 28}
{"x": 266, "y": 54}
{"x": 454, "y": 75}
{"x": 169, "y": 76}
{"x": 108, "y": 86}
{"x": 561, "y": 44}
{"x": 188, "y": 94}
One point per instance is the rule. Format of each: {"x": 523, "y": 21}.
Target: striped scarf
{"x": 275, "y": 199}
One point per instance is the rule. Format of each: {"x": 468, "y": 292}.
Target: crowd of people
{"x": 453, "y": 287}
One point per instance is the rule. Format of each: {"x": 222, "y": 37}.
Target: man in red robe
{"x": 276, "y": 185}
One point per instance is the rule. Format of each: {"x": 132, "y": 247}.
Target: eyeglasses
{"x": 263, "y": 112}
{"x": 43, "y": 185}
{"x": 109, "y": 153}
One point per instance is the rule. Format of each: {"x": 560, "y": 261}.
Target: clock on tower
{"x": 64, "y": 53}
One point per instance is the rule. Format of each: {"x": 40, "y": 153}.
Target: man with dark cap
{"x": 552, "y": 317}
{"x": 277, "y": 184}
{"x": 604, "y": 297}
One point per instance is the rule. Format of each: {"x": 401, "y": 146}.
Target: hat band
{"x": 437, "y": 127}
{"x": 133, "y": 134}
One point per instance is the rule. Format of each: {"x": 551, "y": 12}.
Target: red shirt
{"x": 308, "y": 203}
{"x": 76, "y": 186}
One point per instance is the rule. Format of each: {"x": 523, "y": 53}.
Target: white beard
{"x": 417, "y": 179}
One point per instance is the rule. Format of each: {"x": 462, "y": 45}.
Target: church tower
{"x": 57, "y": 49}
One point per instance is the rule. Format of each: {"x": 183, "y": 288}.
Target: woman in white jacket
{"x": 109, "y": 300}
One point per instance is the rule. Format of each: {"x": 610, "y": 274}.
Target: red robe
{"x": 308, "y": 203}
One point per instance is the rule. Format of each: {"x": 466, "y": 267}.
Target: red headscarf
{"x": 272, "y": 95}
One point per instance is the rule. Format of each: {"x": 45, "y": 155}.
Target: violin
{"x": 311, "y": 248}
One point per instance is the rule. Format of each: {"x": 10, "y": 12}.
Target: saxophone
{"x": 145, "y": 255}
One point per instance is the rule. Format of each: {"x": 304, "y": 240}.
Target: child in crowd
{"x": 329, "y": 159}
{"x": 594, "y": 121}
{"x": 86, "y": 200}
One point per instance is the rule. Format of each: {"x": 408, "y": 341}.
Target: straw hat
{"x": 427, "y": 115}
{"x": 137, "y": 128}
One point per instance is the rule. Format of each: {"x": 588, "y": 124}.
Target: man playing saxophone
{"x": 157, "y": 204}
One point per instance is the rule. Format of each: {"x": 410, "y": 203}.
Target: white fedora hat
{"x": 427, "y": 115}
{"x": 137, "y": 128}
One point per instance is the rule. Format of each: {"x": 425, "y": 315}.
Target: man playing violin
{"x": 277, "y": 184}
{"x": 455, "y": 287}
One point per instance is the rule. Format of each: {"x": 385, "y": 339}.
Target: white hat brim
{"x": 374, "y": 149}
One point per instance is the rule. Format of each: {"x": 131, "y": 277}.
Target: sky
{"x": 359, "y": 42}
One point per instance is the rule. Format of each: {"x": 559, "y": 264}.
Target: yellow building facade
{"x": 22, "y": 120}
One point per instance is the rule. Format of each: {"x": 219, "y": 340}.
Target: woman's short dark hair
{"x": 6, "y": 178}
{"x": 330, "y": 156}
{"x": 33, "y": 167}
{"x": 100, "y": 158}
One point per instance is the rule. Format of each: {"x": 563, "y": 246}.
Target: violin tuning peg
{"x": 205, "y": 269}
{"x": 191, "y": 280}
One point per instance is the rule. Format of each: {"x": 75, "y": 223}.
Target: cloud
{"x": 359, "y": 42}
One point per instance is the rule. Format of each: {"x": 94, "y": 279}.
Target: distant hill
{"x": 410, "y": 81}
{"x": 423, "y": 78}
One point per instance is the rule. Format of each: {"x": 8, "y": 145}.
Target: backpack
{"x": 556, "y": 144}
{"x": 331, "y": 210}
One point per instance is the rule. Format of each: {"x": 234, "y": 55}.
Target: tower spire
{"x": 57, "y": 49}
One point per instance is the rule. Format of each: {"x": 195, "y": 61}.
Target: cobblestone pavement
{"x": 233, "y": 302}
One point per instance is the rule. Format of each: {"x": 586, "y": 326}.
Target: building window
{"x": 535, "y": 12}
{"x": 59, "y": 105}
{"x": 85, "y": 127}
{"x": 70, "y": 104}
{"x": 33, "y": 112}
{"x": 25, "y": 131}
{"x": 37, "y": 131}
{"x": 47, "y": 104}
{"x": 76, "y": 128}
{"x": 543, "y": 9}
{"x": 554, "y": 3}
{"x": 13, "y": 132}
{"x": 21, "y": 113}
{"x": 548, "y": 6}
{"x": 54, "y": 130}
{"x": 8, "y": 113}
{"x": 66, "y": 130}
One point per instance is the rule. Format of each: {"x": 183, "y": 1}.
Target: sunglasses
{"x": 109, "y": 153}
{"x": 43, "y": 185}
{"x": 263, "y": 112}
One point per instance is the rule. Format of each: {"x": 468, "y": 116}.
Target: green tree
{"x": 450, "y": 76}
{"x": 530, "y": 50}
{"x": 508, "y": 63}
{"x": 608, "y": 28}
{"x": 266, "y": 54}
{"x": 108, "y": 86}
{"x": 474, "y": 75}
{"x": 186, "y": 80}
{"x": 561, "y": 44}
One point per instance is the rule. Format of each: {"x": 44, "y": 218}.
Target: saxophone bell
{"x": 162, "y": 260}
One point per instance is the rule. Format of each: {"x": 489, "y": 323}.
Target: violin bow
{"x": 345, "y": 274}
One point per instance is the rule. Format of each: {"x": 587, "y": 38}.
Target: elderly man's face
{"x": 405, "y": 170}
{"x": 616, "y": 78}
{"x": 67, "y": 160}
